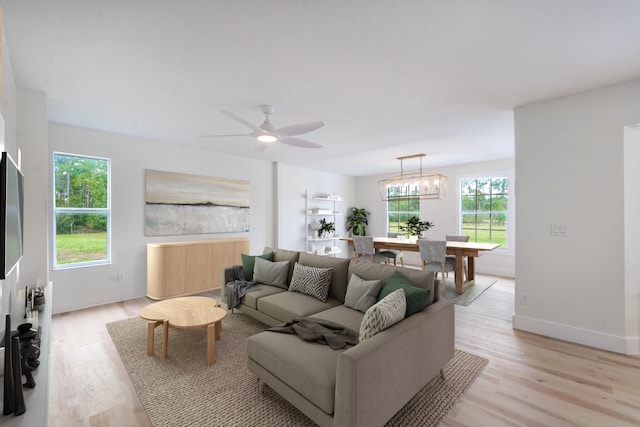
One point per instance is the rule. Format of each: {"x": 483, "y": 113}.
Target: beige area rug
{"x": 470, "y": 294}
{"x": 182, "y": 390}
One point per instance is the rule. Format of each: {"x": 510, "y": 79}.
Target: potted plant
{"x": 327, "y": 228}
{"x": 357, "y": 221}
{"x": 415, "y": 226}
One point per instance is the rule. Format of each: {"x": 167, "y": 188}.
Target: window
{"x": 484, "y": 204}
{"x": 82, "y": 210}
{"x": 401, "y": 208}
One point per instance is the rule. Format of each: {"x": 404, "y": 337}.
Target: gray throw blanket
{"x": 238, "y": 288}
{"x": 318, "y": 330}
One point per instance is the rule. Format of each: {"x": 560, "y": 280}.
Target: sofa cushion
{"x": 248, "y": 263}
{"x": 340, "y": 267}
{"x": 286, "y": 306}
{"x": 280, "y": 255}
{"x": 420, "y": 278}
{"x": 361, "y": 294}
{"x": 308, "y": 368}
{"x": 385, "y": 313}
{"x": 271, "y": 273}
{"x": 342, "y": 315}
{"x": 312, "y": 281}
{"x": 417, "y": 298}
{"x": 251, "y": 298}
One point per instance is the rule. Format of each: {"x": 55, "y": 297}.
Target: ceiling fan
{"x": 266, "y": 133}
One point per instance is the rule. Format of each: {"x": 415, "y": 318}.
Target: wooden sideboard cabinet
{"x": 184, "y": 268}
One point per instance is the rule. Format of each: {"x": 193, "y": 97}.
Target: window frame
{"x": 408, "y": 213}
{"x": 68, "y": 210}
{"x": 511, "y": 206}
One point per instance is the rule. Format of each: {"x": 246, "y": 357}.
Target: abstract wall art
{"x": 178, "y": 203}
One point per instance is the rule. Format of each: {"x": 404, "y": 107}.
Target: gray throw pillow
{"x": 387, "y": 312}
{"x": 271, "y": 273}
{"x": 312, "y": 281}
{"x": 248, "y": 263}
{"x": 362, "y": 294}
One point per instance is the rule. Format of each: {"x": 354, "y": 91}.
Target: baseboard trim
{"x": 618, "y": 344}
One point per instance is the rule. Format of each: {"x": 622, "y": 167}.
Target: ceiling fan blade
{"x": 219, "y": 136}
{"x": 297, "y": 142}
{"x": 300, "y": 128}
{"x": 241, "y": 120}
{"x": 261, "y": 146}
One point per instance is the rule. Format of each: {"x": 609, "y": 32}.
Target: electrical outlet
{"x": 560, "y": 230}
{"x": 524, "y": 299}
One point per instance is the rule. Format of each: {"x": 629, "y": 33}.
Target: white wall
{"x": 445, "y": 213}
{"x": 8, "y": 141}
{"x": 130, "y": 156}
{"x": 570, "y": 162}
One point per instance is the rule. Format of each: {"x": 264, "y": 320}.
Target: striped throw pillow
{"x": 385, "y": 313}
{"x": 312, "y": 281}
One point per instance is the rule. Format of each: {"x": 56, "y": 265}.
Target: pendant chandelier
{"x": 413, "y": 184}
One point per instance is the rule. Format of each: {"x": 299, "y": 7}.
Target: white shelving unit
{"x": 36, "y": 399}
{"x": 316, "y": 208}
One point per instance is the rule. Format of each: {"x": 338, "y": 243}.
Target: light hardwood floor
{"x": 530, "y": 380}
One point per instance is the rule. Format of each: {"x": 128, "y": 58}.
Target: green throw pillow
{"x": 249, "y": 261}
{"x": 417, "y": 298}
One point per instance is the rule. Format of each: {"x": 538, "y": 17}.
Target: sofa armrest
{"x": 229, "y": 274}
{"x": 377, "y": 377}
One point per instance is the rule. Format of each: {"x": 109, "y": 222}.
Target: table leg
{"x": 151, "y": 326}
{"x": 165, "y": 337}
{"x": 211, "y": 343}
{"x": 471, "y": 270}
{"x": 218, "y": 330}
{"x": 458, "y": 274}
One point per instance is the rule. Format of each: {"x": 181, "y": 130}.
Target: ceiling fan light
{"x": 267, "y": 138}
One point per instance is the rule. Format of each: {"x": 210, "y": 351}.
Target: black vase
{"x": 19, "y": 408}
{"x": 9, "y": 401}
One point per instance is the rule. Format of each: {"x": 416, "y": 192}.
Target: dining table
{"x": 471, "y": 250}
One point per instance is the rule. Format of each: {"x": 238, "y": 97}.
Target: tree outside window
{"x": 400, "y": 208}
{"x": 484, "y": 204}
{"x": 82, "y": 210}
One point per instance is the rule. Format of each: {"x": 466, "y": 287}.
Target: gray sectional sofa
{"x": 361, "y": 385}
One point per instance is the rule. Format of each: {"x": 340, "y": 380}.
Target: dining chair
{"x": 363, "y": 246}
{"x": 396, "y": 253}
{"x": 434, "y": 258}
{"x": 458, "y": 238}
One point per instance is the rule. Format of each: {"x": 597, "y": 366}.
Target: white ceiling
{"x": 389, "y": 79}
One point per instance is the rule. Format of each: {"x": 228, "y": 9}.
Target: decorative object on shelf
{"x": 178, "y": 203}
{"x": 315, "y": 226}
{"x": 319, "y": 211}
{"x": 19, "y": 405}
{"x": 415, "y": 226}
{"x": 326, "y": 230}
{"x": 9, "y": 399}
{"x": 357, "y": 221}
{"x": 421, "y": 184}
{"x": 29, "y": 352}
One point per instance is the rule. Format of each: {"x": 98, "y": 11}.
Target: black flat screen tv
{"x": 11, "y": 215}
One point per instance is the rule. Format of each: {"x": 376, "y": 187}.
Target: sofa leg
{"x": 260, "y": 386}
{"x": 443, "y": 375}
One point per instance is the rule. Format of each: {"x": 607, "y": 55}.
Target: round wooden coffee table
{"x": 185, "y": 312}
